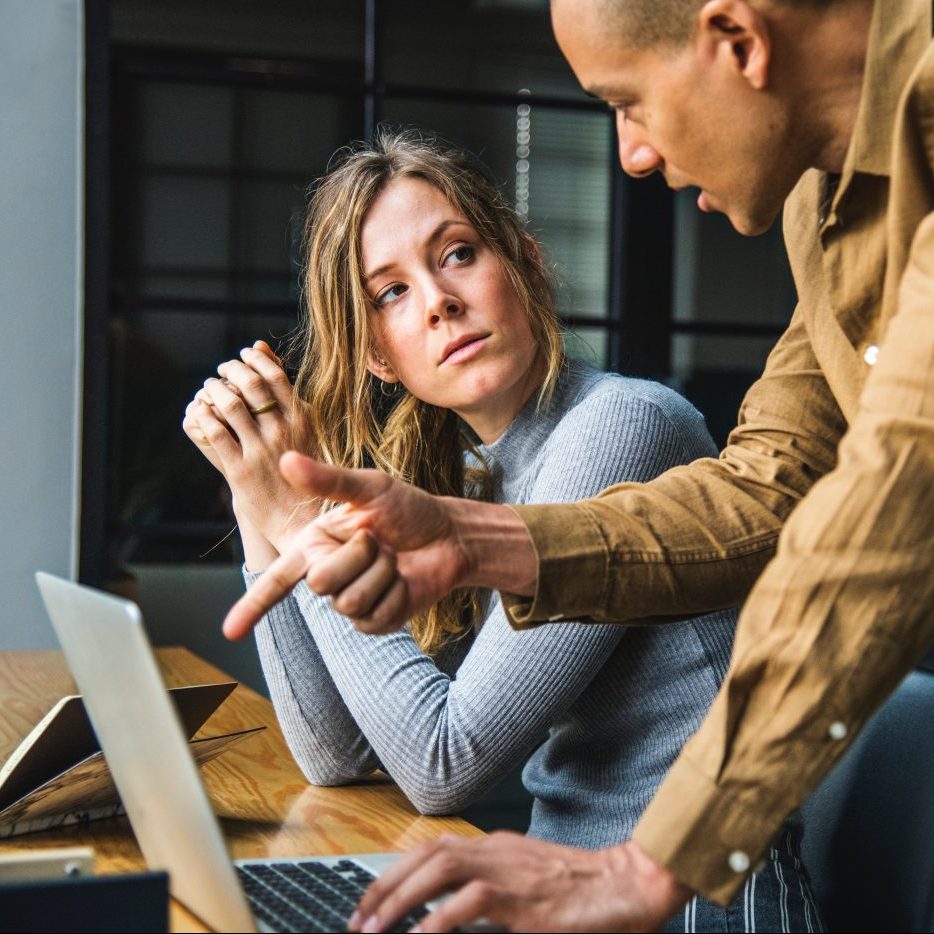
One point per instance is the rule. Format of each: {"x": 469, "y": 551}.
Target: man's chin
{"x": 751, "y": 225}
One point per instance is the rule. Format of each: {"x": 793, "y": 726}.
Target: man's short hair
{"x": 650, "y": 23}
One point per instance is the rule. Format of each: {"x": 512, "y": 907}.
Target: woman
{"x": 432, "y": 350}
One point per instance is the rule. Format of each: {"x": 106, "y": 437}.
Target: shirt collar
{"x": 898, "y": 35}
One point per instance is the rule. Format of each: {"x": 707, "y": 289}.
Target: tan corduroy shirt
{"x": 821, "y": 505}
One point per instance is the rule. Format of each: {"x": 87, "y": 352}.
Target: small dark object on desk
{"x": 132, "y": 902}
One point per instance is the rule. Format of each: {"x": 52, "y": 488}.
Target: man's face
{"x": 688, "y": 112}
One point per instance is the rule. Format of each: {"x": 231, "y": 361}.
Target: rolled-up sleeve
{"x": 844, "y": 610}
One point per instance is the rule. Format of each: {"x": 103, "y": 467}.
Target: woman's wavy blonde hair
{"x": 347, "y": 418}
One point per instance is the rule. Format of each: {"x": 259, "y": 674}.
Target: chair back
{"x": 869, "y": 827}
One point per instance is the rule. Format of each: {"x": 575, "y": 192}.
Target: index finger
{"x": 275, "y": 584}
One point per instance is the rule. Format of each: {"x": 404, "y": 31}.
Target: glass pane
{"x": 184, "y": 223}
{"x": 328, "y": 30}
{"x": 588, "y": 344}
{"x": 276, "y": 329}
{"x": 211, "y": 286}
{"x": 488, "y": 132}
{"x": 166, "y": 487}
{"x": 280, "y": 289}
{"x": 484, "y": 46}
{"x": 715, "y": 372}
{"x": 294, "y": 132}
{"x": 722, "y": 276}
{"x": 270, "y": 222}
{"x": 185, "y": 124}
{"x": 567, "y": 162}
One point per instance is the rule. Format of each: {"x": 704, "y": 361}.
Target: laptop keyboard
{"x": 307, "y": 895}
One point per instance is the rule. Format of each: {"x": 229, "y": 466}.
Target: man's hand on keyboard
{"x": 523, "y": 885}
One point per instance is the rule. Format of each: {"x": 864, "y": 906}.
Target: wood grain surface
{"x": 265, "y": 805}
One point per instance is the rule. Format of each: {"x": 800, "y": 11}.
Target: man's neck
{"x": 825, "y": 59}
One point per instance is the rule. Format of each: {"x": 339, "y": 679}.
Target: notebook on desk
{"x": 57, "y": 775}
{"x": 140, "y": 734}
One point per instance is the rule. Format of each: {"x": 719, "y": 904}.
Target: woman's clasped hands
{"x": 241, "y": 422}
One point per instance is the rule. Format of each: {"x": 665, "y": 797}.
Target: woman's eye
{"x": 459, "y": 255}
{"x": 389, "y": 294}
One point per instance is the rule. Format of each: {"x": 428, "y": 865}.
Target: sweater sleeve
{"x": 446, "y": 739}
{"x": 321, "y": 734}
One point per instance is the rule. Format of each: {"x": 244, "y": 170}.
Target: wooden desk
{"x": 265, "y": 805}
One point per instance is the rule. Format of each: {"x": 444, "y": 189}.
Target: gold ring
{"x": 265, "y": 407}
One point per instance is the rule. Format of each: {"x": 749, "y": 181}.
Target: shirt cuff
{"x": 573, "y": 560}
{"x": 711, "y": 840}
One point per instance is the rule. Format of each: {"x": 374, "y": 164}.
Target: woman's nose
{"x": 441, "y": 304}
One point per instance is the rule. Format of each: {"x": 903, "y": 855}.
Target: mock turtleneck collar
{"x": 515, "y": 449}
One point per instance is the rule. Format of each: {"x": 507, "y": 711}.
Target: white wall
{"x": 41, "y": 188}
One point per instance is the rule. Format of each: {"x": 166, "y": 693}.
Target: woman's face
{"x": 446, "y": 321}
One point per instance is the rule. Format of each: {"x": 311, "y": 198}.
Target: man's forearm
{"x": 496, "y": 545}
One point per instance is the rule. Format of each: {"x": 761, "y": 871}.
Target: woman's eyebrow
{"x": 434, "y": 235}
{"x": 443, "y": 226}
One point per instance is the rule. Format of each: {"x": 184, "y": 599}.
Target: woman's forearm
{"x": 258, "y": 553}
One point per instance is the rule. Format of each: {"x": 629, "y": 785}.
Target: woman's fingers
{"x": 259, "y": 378}
{"x": 267, "y": 365}
{"x": 192, "y": 428}
{"x": 231, "y": 407}
{"x": 264, "y": 348}
{"x": 248, "y": 384}
{"x": 214, "y": 431}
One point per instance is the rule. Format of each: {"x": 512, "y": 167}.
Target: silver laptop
{"x": 110, "y": 657}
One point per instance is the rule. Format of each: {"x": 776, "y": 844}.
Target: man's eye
{"x": 389, "y": 294}
{"x": 460, "y": 255}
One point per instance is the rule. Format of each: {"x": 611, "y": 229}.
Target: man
{"x": 820, "y": 511}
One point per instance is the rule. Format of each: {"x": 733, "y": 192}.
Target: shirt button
{"x": 837, "y": 730}
{"x": 739, "y": 861}
{"x": 871, "y": 354}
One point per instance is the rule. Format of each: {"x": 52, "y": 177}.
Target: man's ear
{"x": 380, "y": 368}
{"x": 736, "y": 33}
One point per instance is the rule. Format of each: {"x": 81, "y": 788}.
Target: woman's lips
{"x": 466, "y": 350}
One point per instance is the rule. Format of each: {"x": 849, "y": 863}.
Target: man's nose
{"x": 636, "y": 156}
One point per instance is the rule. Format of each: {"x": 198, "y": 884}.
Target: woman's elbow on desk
{"x": 441, "y": 796}
{"x": 321, "y": 766}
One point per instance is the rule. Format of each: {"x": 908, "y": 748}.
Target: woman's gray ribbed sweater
{"x": 613, "y": 704}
